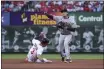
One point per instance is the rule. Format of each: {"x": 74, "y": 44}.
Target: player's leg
{"x": 32, "y": 57}
{"x": 61, "y": 45}
{"x": 91, "y": 43}
{"x": 68, "y": 39}
{"x": 44, "y": 60}
{"x": 88, "y": 42}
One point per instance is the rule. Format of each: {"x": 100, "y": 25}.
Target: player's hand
{"x": 46, "y": 61}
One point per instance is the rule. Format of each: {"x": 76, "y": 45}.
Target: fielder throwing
{"x": 66, "y": 25}
{"x": 34, "y": 54}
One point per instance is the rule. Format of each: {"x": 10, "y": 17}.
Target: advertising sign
{"x": 5, "y": 18}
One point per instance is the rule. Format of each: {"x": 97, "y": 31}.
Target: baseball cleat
{"x": 68, "y": 61}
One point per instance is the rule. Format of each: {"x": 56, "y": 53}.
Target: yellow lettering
{"x": 39, "y": 22}
{"x": 39, "y": 17}
{"x": 43, "y": 22}
{"x": 48, "y": 22}
{"x": 53, "y": 22}
{"x": 33, "y": 17}
{"x": 35, "y": 21}
{"x": 44, "y": 17}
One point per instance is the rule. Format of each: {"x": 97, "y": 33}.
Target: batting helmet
{"x": 45, "y": 40}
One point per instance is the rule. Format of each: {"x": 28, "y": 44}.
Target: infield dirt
{"x": 56, "y": 64}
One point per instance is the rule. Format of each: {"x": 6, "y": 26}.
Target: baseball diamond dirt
{"x": 56, "y": 64}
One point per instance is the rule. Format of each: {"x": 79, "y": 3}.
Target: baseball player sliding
{"x": 66, "y": 25}
{"x": 34, "y": 54}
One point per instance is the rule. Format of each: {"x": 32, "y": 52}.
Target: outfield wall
{"x": 18, "y": 29}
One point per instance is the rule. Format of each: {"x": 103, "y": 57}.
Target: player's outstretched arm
{"x": 49, "y": 15}
{"x": 43, "y": 60}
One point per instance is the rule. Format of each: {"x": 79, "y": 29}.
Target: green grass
{"x": 54, "y": 56}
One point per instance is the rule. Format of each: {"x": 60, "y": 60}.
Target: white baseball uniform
{"x": 35, "y": 50}
{"x": 88, "y": 36}
{"x": 101, "y": 36}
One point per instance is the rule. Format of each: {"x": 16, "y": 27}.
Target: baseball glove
{"x": 60, "y": 25}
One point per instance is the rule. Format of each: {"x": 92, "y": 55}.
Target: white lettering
{"x": 81, "y": 18}
{"x": 90, "y": 18}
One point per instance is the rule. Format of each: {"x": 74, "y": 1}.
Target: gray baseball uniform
{"x": 65, "y": 36}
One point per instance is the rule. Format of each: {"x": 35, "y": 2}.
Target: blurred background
{"x": 18, "y": 29}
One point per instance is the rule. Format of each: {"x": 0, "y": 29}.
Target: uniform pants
{"x": 64, "y": 41}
